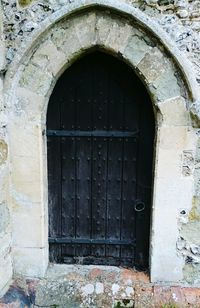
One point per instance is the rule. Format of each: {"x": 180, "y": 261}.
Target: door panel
{"x": 100, "y": 131}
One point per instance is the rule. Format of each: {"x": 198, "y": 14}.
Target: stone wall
{"x": 97, "y": 287}
{"x": 5, "y": 238}
{"x": 180, "y": 19}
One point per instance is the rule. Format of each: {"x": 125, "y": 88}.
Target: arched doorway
{"x": 100, "y": 132}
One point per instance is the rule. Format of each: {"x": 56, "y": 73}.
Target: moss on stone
{"x": 124, "y": 303}
{"x": 194, "y": 214}
{"x": 191, "y": 232}
{"x": 3, "y": 151}
{"x": 24, "y": 2}
{"x": 191, "y": 273}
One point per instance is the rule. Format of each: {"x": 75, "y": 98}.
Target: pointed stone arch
{"x": 124, "y": 32}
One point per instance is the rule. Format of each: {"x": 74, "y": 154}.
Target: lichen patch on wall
{"x": 4, "y": 217}
{"x": 3, "y": 151}
{"x": 24, "y": 3}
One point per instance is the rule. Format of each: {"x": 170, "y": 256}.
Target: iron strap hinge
{"x": 94, "y": 133}
{"x": 63, "y": 240}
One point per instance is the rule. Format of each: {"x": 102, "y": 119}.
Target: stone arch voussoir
{"x": 70, "y": 38}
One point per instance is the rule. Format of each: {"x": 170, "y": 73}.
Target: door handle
{"x": 139, "y": 206}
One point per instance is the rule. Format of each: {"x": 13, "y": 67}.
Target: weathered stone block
{"x": 40, "y": 84}
{"x": 6, "y": 242}
{"x": 5, "y": 273}
{"x": 153, "y": 64}
{"x": 49, "y": 57}
{"x": 26, "y": 107}
{"x": 168, "y": 163}
{"x": 25, "y": 170}
{"x": 112, "y": 33}
{"x": 66, "y": 40}
{"x": 165, "y": 256}
{"x": 26, "y": 157}
{"x": 166, "y": 86}
{"x": 188, "y": 163}
{"x": 27, "y": 191}
{"x": 30, "y": 262}
{"x": 177, "y": 138}
{"x": 174, "y": 112}
{"x": 4, "y": 217}
{"x": 136, "y": 48}
{"x": 85, "y": 29}
{"x": 30, "y": 138}
{"x": 28, "y": 217}
{"x": 183, "y": 192}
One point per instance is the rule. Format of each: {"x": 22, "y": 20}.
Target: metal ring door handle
{"x": 139, "y": 206}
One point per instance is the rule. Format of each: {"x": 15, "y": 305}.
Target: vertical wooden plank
{"x": 54, "y": 198}
{"x": 114, "y": 173}
{"x": 54, "y": 174}
{"x": 131, "y": 123}
{"x": 84, "y": 101}
{"x": 99, "y": 161}
{"x": 68, "y": 108}
{"x": 128, "y": 196}
{"x": 67, "y": 120}
{"x": 114, "y": 195}
{"x": 83, "y": 193}
{"x": 131, "y": 113}
{"x": 83, "y": 160}
{"x": 115, "y": 107}
{"x": 99, "y": 171}
{"x": 100, "y": 94}
{"x": 68, "y": 193}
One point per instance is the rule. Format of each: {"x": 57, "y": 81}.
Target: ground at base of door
{"x": 96, "y": 287}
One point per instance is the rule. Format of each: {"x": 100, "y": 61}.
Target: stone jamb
{"x": 29, "y": 95}
{"x": 5, "y": 230}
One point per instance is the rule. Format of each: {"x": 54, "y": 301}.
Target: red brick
{"x": 95, "y": 273}
{"x": 134, "y": 276}
{"x": 162, "y": 295}
{"x": 73, "y": 276}
{"x": 177, "y": 295}
{"x": 192, "y": 295}
{"x": 111, "y": 277}
{"x": 143, "y": 296}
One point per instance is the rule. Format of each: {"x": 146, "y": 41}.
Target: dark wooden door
{"x": 100, "y": 133}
